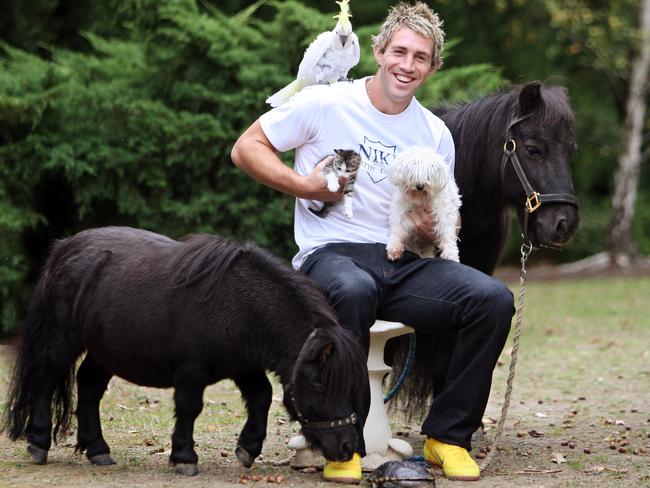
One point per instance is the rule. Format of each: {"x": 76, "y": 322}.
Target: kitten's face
{"x": 346, "y": 160}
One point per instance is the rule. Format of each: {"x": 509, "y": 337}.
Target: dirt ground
{"x": 591, "y": 429}
{"x": 539, "y": 436}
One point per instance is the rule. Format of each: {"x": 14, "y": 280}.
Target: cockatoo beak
{"x": 344, "y": 39}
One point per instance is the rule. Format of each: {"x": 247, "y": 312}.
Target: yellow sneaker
{"x": 343, "y": 471}
{"x": 455, "y": 461}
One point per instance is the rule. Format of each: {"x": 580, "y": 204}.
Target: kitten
{"x": 346, "y": 162}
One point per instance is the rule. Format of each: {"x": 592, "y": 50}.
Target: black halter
{"x": 533, "y": 199}
{"x": 320, "y": 424}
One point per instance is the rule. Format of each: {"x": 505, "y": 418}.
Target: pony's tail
{"x": 428, "y": 371}
{"x": 35, "y": 370}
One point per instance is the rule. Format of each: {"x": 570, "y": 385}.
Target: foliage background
{"x": 123, "y": 112}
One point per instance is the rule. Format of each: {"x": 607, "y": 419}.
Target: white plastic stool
{"x": 380, "y": 444}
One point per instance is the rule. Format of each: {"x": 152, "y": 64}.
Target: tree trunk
{"x": 621, "y": 239}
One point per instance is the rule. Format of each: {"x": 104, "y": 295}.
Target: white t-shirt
{"x": 322, "y": 118}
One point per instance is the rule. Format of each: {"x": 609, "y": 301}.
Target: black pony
{"x": 512, "y": 151}
{"x": 187, "y": 314}
{"x": 535, "y": 124}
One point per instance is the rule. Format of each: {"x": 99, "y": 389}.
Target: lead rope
{"x": 526, "y": 249}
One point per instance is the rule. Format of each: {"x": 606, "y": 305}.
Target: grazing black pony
{"x": 163, "y": 313}
{"x": 537, "y": 122}
{"x": 512, "y": 151}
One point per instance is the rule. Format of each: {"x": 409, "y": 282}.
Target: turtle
{"x": 402, "y": 474}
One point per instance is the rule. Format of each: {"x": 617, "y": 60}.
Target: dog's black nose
{"x": 419, "y": 187}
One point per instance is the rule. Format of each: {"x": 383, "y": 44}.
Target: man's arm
{"x": 256, "y": 156}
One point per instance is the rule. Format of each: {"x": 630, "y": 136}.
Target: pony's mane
{"x": 341, "y": 369}
{"x": 204, "y": 260}
{"x": 345, "y": 368}
{"x": 305, "y": 291}
{"x": 555, "y": 110}
{"x": 555, "y": 106}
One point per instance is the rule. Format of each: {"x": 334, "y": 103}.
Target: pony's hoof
{"x": 38, "y": 455}
{"x": 101, "y": 460}
{"x": 244, "y": 457}
{"x": 186, "y": 469}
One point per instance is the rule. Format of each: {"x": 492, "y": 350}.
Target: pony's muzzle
{"x": 347, "y": 450}
{"x": 565, "y": 228}
{"x": 556, "y": 224}
{"x": 338, "y": 446}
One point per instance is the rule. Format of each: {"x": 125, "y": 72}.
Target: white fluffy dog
{"x": 423, "y": 181}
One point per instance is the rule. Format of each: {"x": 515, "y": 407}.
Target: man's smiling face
{"x": 404, "y": 66}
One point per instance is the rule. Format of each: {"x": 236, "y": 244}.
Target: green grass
{"x": 585, "y": 333}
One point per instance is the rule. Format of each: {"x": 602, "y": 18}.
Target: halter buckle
{"x": 505, "y": 146}
{"x": 533, "y": 202}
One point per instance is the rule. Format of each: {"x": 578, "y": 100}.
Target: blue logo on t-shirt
{"x": 375, "y": 158}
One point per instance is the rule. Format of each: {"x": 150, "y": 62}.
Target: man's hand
{"x": 314, "y": 185}
{"x": 423, "y": 223}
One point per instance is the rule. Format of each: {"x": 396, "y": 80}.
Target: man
{"x": 379, "y": 116}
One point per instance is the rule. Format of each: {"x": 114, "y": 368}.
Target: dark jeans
{"x": 433, "y": 296}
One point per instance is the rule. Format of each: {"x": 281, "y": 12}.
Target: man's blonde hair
{"x": 420, "y": 19}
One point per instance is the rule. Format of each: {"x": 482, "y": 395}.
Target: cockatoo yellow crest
{"x": 344, "y": 15}
{"x": 327, "y": 59}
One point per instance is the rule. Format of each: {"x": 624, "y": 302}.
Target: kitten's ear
{"x": 338, "y": 151}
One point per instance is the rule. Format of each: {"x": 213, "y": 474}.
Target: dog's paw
{"x": 394, "y": 252}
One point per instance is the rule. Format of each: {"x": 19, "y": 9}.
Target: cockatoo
{"x": 327, "y": 59}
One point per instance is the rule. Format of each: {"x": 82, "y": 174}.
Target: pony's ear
{"x": 325, "y": 352}
{"x": 530, "y": 97}
{"x": 319, "y": 346}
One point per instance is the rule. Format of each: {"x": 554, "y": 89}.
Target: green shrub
{"x": 138, "y": 130}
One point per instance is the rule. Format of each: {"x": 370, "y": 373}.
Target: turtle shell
{"x": 402, "y": 474}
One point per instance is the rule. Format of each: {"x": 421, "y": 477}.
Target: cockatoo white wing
{"x": 320, "y": 48}
{"x": 283, "y": 95}
{"x": 307, "y": 71}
